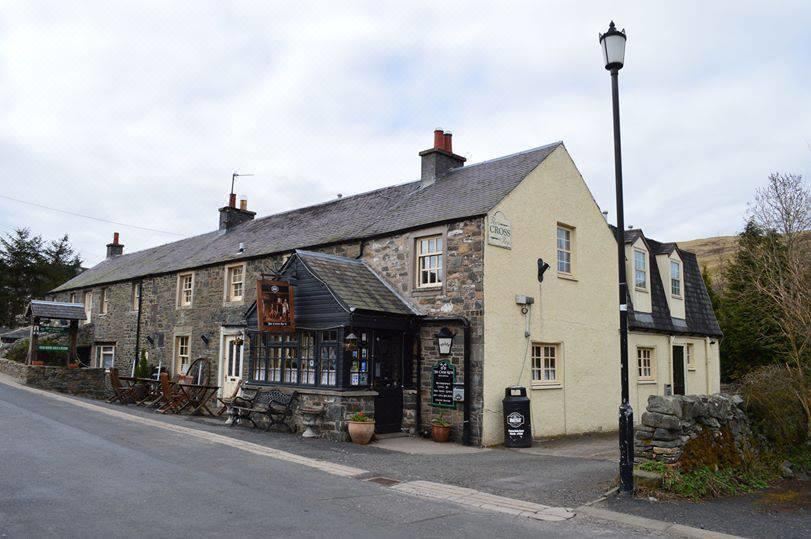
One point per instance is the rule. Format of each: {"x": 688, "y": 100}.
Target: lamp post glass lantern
{"x": 444, "y": 341}
{"x": 613, "y": 45}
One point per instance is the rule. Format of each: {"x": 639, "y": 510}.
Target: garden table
{"x": 198, "y": 396}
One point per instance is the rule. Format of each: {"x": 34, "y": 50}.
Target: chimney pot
{"x": 232, "y": 200}
{"x": 448, "y": 140}
{"x": 439, "y": 139}
{"x": 243, "y": 203}
{"x": 115, "y": 248}
{"x": 440, "y": 159}
{"x": 115, "y": 238}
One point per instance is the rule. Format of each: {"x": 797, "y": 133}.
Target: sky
{"x": 138, "y": 112}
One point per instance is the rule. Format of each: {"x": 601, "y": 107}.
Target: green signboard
{"x": 443, "y": 378}
{"x": 52, "y": 348}
{"x": 52, "y": 329}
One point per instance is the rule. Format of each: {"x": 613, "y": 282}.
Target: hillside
{"x": 711, "y": 252}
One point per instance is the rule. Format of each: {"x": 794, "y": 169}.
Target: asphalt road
{"x": 71, "y": 472}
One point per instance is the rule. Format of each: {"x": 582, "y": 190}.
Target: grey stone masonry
{"x": 670, "y": 423}
{"x": 84, "y": 382}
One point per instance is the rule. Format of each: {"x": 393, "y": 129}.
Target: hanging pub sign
{"x": 499, "y": 231}
{"x": 443, "y": 378}
{"x": 274, "y": 306}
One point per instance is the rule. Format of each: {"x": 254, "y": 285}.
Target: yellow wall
{"x": 580, "y": 313}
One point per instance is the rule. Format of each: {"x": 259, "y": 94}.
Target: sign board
{"x": 274, "y": 306}
{"x": 499, "y": 231}
{"x": 442, "y": 380}
{"x": 52, "y": 348}
{"x": 59, "y": 330}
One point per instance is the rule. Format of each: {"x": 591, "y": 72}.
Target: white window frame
{"x": 547, "y": 365}
{"x": 643, "y": 270}
{"x": 135, "y": 295}
{"x": 678, "y": 279}
{"x": 565, "y": 248}
{"x": 646, "y": 373}
{"x": 104, "y": 305}
{"x": 182, "y": 290}
{"x": 100, "y": 353}
{"x": 87, "y": 300}
{"x": 176, "y": 353}
{"x": 435, "y": 260}
{"x": 230, "y": 297}
{"x": 689, "y": 356}
{"x": 73, "y": 297}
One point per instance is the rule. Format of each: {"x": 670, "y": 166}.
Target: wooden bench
{"x": 275, "y": 405}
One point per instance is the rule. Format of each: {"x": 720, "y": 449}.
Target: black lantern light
{"x": 444, "y": 341}
{"x": 351, "y": 342}
{"x": 613, "y": 43}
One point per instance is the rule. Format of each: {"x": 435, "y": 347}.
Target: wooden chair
{"x": 174, "y": 398}
{"x": 121, "y": 394}
{"x": 165, "y": 392}
{"x": 227, "y": 401}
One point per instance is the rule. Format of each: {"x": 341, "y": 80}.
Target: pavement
{"x": 554, "y": 488}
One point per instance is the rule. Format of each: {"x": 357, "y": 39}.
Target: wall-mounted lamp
{"x": 150, "y": 340}
{"x": 444, "y": 340}
{"x": 351, "y": 342}
{"x": 542, "y": 267}
{"x": 204, "y": 338}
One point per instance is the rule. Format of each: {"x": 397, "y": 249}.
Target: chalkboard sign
{"x": 444, "y": 375}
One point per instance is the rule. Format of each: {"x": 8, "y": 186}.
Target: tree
{"x": 782, "y": 274}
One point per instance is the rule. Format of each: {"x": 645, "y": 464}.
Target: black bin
{"x": 517, "y": 424}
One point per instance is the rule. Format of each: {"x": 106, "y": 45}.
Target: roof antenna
{"x": 236, "y": 175}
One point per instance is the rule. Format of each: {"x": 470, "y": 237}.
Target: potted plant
{"x": 440, "y": 429}
{"x": 361, "y": 428}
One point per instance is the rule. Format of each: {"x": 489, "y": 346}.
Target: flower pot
{"x": 361, "y": 432}
{"x": 440, "y": 433}
{"x": 73, "y": 365}
{"x": 38, "y": 363}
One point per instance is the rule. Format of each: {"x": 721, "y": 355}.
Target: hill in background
{"x": 711, "y": 252}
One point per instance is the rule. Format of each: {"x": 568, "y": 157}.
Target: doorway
{"x": 678, "y": 370}
{"x": 231, "y": 363}
{"x": 387, "y": 355}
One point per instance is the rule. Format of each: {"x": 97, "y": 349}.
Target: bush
{"x": 772, "y": 406}
{"x": 18, "y": 351}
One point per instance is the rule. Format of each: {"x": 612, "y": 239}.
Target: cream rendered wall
{"x": 701, "y": 378}
{"x": 580, "y": 312}
{"x": 641, "y": 298}
{"x": 675, "y": 303}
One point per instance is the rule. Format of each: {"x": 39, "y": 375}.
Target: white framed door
{"x": 231, "y": 362}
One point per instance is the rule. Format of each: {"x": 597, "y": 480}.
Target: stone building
{"x": 377, "y": 276}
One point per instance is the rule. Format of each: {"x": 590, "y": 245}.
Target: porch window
{"x": 105, "y": 355}
{"x": 640, "y": 269}
{"x": 675, "y": 278}
{"x": 545, "y": 364}
{"x": 645, "y": 364}
{"x": 105, "y": 301}
{"x": 275, "y": 358}
{"x": 359, "y": 371}
{"x": 564, "y": 248}
{"x": 235, "y": 283}
{"x": 307, "y": 362}
{"x": 182, "y": 354}
{"x": 329, "y": 357}
{"x": 429, "y": 261}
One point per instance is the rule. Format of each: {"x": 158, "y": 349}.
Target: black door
{"x": 387, "y": 352}
{"x": 678, "y": 370}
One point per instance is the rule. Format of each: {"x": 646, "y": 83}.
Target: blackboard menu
{"x": 444, "y": 375}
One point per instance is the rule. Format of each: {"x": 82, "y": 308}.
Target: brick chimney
{"x": 231, "y": 216}
{"x": 439, "y": 159}
{"x": 115, "y": 248}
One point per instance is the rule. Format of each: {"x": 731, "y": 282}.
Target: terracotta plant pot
{"x": 73, "y": 365}
{"x": 361, "y": 432}
{"x": 440, "y": 433}
{"x": 38, "y": 363}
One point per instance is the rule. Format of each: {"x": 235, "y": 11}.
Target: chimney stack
{"x": 231, "y": 216}
{"x": 440, "y": 159}
{"x": 114, "y": 249}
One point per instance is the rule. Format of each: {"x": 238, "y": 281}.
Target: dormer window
{"x": 675, "y": 278}
{"x": 640, "y": 269}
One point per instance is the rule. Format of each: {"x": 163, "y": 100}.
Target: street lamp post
{"x": 613, "y": 44}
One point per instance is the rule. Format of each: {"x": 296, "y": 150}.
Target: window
{"x": 359, "y": 370}
{"x": 675, "y": 278}
{"x": 73, "y": 297}
{"x": 105, "y": 355}
{"x": 275, "y": 358}
{"x": 185, "y": 289}
{"x": 88, "y": 306}
{"x": 545, "y": 364}
{"x": 640, "y": 269}
{"x": 689, "y": 357}
{"x": 105, "y": 301}
{"x": 329, "y": 357}
{"x": 645, "y": 364}
{"x": 182, "y": 354}
{"x": 235, "y": 283}
{"x": 136, "y": 296}
{"x": 564, "y": 250}
{"x": 429, "y": 261}
{"x": 307, "y": 362}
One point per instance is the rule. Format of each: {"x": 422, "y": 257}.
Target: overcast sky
{"x": 139, "y": 112}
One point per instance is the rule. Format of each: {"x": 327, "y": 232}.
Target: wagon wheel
{"x": 199, "y": 370}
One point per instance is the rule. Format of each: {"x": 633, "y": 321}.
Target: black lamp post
{"x": 613, "y": 44}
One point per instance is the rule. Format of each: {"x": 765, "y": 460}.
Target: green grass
{"x": 705, "y": 482}
{"x": 653, "y": 466}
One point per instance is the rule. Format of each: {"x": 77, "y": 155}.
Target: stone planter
{"x": 361, "y": 432}
{"x": 440, "y": 433}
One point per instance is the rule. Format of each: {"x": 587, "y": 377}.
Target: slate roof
{"x": 460, "y": 193}
{"x": 354, "y": 284}
{"x": 15, "y": 334}
{"x": 55, "y": 309}
{"x": 699, "y": 315}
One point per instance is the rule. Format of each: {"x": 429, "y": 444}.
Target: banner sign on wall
{"x": 274, "y": 306}
{"x": 443, "y": 378}
{"x": 499, "y": 231}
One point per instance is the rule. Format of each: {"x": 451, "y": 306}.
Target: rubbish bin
{"x": 517, "y": 424}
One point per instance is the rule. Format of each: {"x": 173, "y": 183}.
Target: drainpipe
{"x": 466, "y": 434}
{"x": 418, "y": 417}
{"x": 138, "y": 322}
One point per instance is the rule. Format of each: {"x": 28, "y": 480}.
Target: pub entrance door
{"x": 387, "y": 355}
{"x": 678, "y": 370}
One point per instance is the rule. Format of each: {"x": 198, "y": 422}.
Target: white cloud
{"x": 139, "y": 113}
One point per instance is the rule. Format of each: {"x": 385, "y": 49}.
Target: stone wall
{"x": 672, "y": 427}
{"x": 83, "y": 382}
